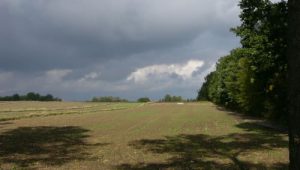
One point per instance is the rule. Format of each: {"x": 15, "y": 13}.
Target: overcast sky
{"x": 77, "y": 49}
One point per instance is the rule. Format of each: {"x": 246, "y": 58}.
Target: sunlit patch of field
{"x": 134, "y": 136}
{"x": 27, "y": 109}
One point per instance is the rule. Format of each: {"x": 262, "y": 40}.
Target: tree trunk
{"x": 294, "y": 82}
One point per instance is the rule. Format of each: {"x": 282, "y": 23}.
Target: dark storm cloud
{"x": 107, "y": 40}
{"x": 63, "y": 33}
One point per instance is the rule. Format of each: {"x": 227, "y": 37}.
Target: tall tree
{"x": 294, "y": 82}
{"x": 263, "y": 36}
{"x": 252, "y": 79}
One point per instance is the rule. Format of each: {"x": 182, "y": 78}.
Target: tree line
{"x": 108, "y": 99}
{"x": 31, "y": 96}
{"x": 170, "y": 98}
{"x": 166, "y": 98}
{"x": 253, "y": 78}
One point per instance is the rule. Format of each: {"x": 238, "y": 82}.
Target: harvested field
{"x": 74, "y": 135}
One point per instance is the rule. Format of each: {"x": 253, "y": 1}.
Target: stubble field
{"x": 74, "y": 135}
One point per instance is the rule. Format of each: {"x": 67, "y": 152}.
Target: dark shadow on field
{"x": 25, "y": 146}
{"x": 201, "y": 151}
{"x": 236, "y": 114}
{"x": 258, "y": 122}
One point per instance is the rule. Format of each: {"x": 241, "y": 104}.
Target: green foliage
{"x": 203, "y": 92}
{"x": 144, "y": 99}
{"x": 169, "y": 98}
{"x": 191, "y": 100}
{"x": 31, "y": 96}
{"x": 252, "y": 79}
{"x": 108, "y": 99}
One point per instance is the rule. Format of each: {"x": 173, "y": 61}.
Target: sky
{"x": 78, "y": 49}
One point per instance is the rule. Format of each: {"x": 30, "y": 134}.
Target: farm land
{"x": 91, "y": 135}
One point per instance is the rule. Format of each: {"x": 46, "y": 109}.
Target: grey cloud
{"x": 55, "y": 32}
{"x": 110, "y": 38}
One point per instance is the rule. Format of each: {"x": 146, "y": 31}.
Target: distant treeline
{"x": 31, "y": 96}
{"x": 143, "y": 99}
{"x": 253, "y": 79}
{"x": 108, "y": 99}
{"x": 167, "y": 98}
{"x": 170, "y": 98}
